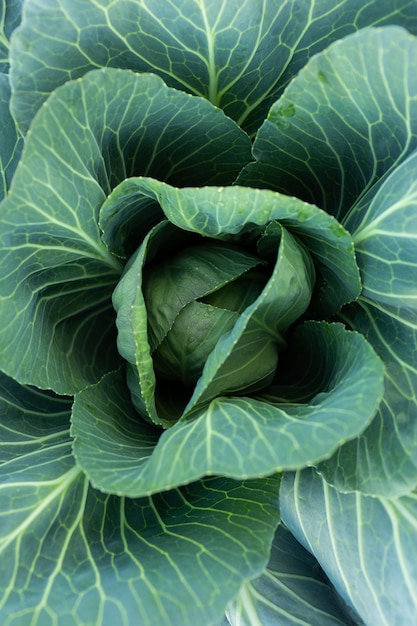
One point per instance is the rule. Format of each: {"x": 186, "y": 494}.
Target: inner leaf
{"x": 182, "y": 278}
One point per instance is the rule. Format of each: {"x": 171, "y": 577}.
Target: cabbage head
{"x": 208, "y": 312}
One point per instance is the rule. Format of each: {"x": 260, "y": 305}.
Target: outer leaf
{"x": 347, "y": 119}
{"x": 10, "y": 14}
{"x": 239, "y": 54}
{"x": 31, "y": 421}
{"x": 372, "y": 537}
{"x": 292, "y": 590}
{"x": 384, "y": 228}
{"x": 56, "y": 274}
{"x": 384, "y": 225}
{"x": 227, "y": 212}
{"x": 11, "y": 144}
{"x": 220, "y": 51}
{"x": 70, "y": 555}
{"x": 236, "y": 437}
{"x": 383, "y": 460}
{"x": 120, "y": 438}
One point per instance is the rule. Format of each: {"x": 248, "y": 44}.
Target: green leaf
{"x": 347, "y": 119}
{"x": 32, "y": 421}
{"x": 133, "y": 345}
{"x": 383, "y": 459}
{"x": 89, "y": 136}
{"x": 235, "y": 436}
{"x": 106, "y": 425}
{"x": 292, "y": 590}
{"x": 132, "y": 322}
{"x": 366, "y": 545}
{"x": 384, "y": 230}
{"x": 11, "y": 144}
{"x": 10, "y": 15}
{"x": 220, "y": 51}
{"x": 231, "y": 213}
{"x": 197, "y": 329}
{"x": 238, "y": 54}
{"x": 71, "y": 555}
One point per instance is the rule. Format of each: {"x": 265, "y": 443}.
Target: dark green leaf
{"x": 237, "y": 53}
{"x": 347, "y": 119}
{"x": 11, "y": 144}
{"x": 249, "y": 353}
{"x": 220, "y": 51}
{"x": 31, "y": 421}
{"x": 174, "y": 281}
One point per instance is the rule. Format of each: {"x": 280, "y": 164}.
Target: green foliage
{"x": 345, "y": 132}
{"x": 11, "y": 144}
{"x": 83, "y": 554}
{"x": 208, "y": 312}
{"x": 378, "y": 540}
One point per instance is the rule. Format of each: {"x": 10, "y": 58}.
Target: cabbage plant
{"x": 208, "y": 311}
